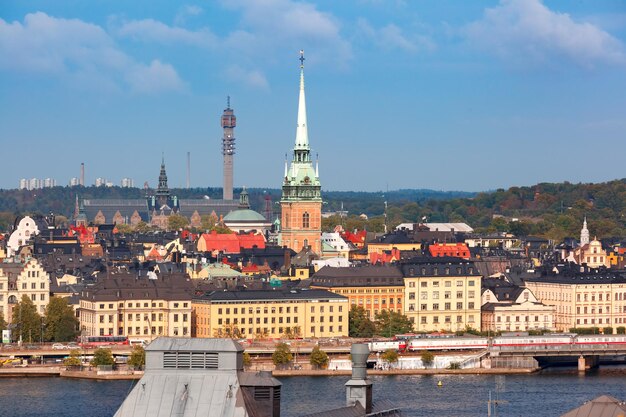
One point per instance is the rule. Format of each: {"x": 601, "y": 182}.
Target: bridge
{"x": 588, "y": 354}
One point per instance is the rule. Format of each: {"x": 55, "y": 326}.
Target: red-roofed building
{"x": 218, "y": 242}
{"x": 229, "y": 242}
{"x": 385, "y": 257}
{"x": 456, "y": 250}
{"x": 249, "y": 241}
{"x": 357, "y": 239}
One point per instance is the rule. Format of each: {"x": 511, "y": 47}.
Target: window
{"x": 423, "y": 284}
{"x": 447, "y": 306}
{"x": 447, "y": 295}
{"x": 411, "y": 296}
{"x": 423, "y": 320}
{"x": 436, "y": 306}
{"x": 470, "y": 305}
{"x": 459, "y": 294}
{"x": 459, "y": 306}
{"x": 435, "y": 295}
{"x": 305, "y": 220}
{"x": 471, "y": 283}
{"x": 423, "y": 295}
{"x": 423, "y": 307}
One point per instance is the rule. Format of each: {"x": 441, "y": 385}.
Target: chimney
{"x": 287, "y": 257}
{"x": 359, "y": 388}
{"x": 82, "y": 174}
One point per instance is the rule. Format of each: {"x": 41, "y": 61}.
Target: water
{"x": 550, "y": 393}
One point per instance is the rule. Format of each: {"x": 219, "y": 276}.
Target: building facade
{"x": 593, "y": 299}
{"x": 301, "y": 202}
{"x": 23, "y": 278}
{"x": 442, "y": 296}
{"x": 373, "y": 287}
{"x": 141, "y": 309}
{"x": 271, "y": 314}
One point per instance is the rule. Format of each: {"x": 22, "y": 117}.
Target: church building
{"x": 301, "y": 202}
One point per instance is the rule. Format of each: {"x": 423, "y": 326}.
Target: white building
{"x": 127, "y": 183}
{"x": 49, "y": 183}
{"x": 26, "y": 228}
{"x": 74, "y": 182}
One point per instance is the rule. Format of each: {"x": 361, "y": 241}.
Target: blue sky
{"x": 434, "y": 94}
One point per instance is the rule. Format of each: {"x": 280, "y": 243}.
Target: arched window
{"x": 305, "y": 220}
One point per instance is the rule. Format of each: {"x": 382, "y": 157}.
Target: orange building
{"x": 455, "y": 250}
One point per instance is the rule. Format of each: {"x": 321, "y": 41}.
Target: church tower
{"x": 162, "y": 192}
{"x": 584, "y": 234}
{"x": 301, "y": 201}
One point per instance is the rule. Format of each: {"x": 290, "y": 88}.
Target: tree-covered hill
{"x": 553, "y": 210}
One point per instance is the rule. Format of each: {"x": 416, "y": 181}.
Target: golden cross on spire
{"x": 301, "y": 58}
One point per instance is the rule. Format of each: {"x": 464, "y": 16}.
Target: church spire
{"x": 584, "y": 233}
{"x": 302, "y": 135}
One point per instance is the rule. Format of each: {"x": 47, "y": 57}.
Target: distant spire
{"x": 584, "y": 233}
{"x": 317, "y": 165}
{"x": 302, "y": 135}
{"x": 228, "y": 102}
{"x": 285, "y": 165}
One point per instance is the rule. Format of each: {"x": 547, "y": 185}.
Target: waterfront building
{"x": 508, "y": 307}
{"x": 301, "y": 201}
{"x": 583, "y": 299}
{"x": 123, "y": 304}
{"x": 23, "y": 278}
{"x": 373, "y": 287}
{"x": 270, "y": 314}
{"x": 442, "y": 295}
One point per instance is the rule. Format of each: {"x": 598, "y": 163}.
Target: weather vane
{"x": 301, "y": 58}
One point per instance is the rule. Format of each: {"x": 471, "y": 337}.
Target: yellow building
{"x": 141, "y": 309}
{"x": 270, "y": 314}
{"x": 373, "y": 287}
{"x": 23, "y": 278}
{"x": 590, "y": 299}
{"x": 442, "y": 295}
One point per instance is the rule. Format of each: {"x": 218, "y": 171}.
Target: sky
{"x": 437, "y": 94}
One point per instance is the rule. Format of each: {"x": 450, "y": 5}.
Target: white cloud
{"x": 290, "y": 25}
{"x": 77, "y": 51}
{"x": 154, "y": 78}
{"x": 253, "y": 78}
{"x": 149, "y": 30}
{"x": 392, "y": 37}
{"x": 526, "y": 31}
{"x": 185, "y": 12}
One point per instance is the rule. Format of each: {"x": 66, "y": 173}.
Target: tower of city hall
{"x": 301, "y": 201}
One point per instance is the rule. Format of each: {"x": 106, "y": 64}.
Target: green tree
{"x": 142, "y": 227}
{"x": 60, "y": 321}
{"x": 282, "y": 355}
{"x": 137, "y": 357}
{"x": 27, "y": 321}
{"x": 3, "y": 323}
{"x": 427, "y": 358}
{"x": 389, "y": 323}
{"x": 102, "y": 357}
{"x": 319, "y": 358}
{"x": 208, "y": 221}
{"x": 73, "y": 359}
{"x": 360, "y": 325}
{"x": 390, "y": 356}
{"x": 124, "y": 228}
{"x": 247, "y": 360}
{"x": 176, "y": 222}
